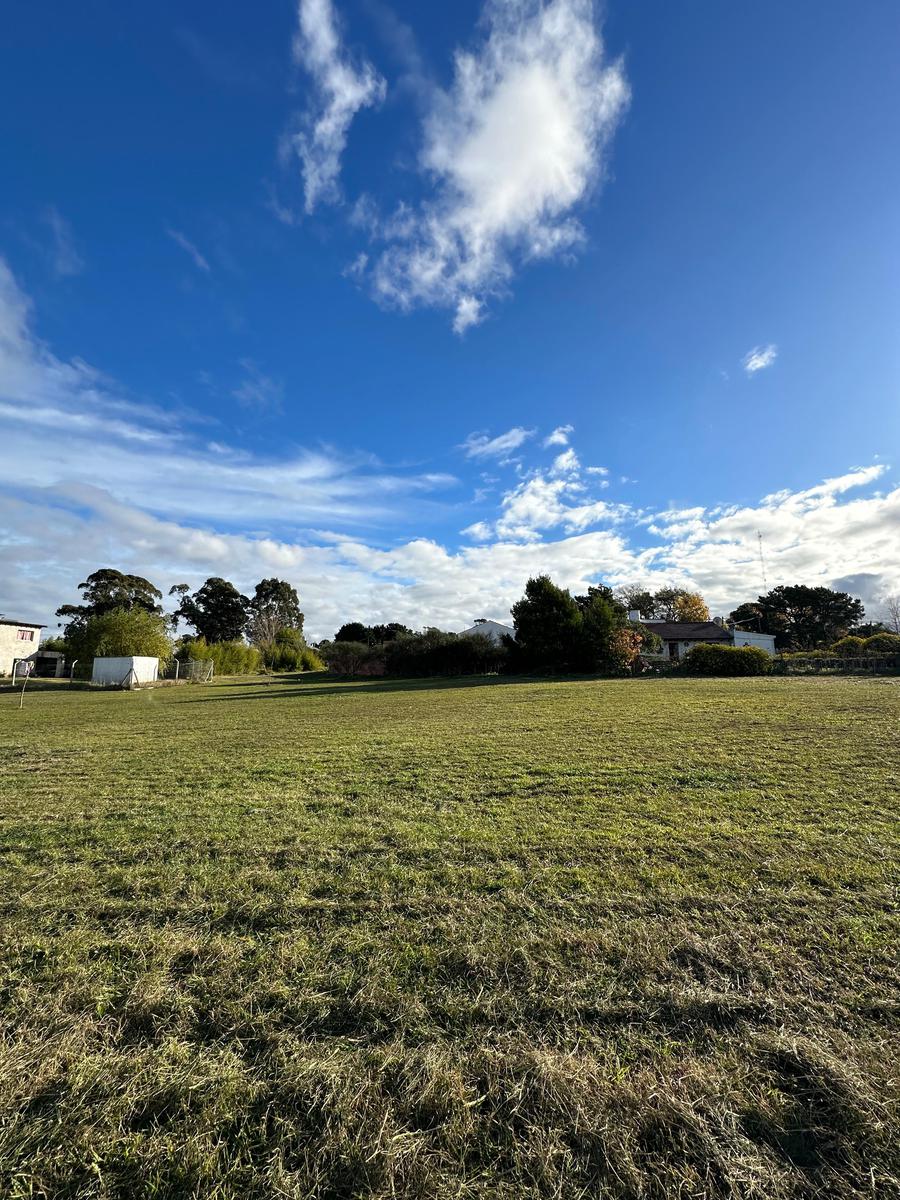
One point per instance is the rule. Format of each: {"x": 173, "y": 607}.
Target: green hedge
{"x": 709, "y": 659}
{"x": 228, "y": 658}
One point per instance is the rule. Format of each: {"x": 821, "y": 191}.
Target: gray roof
{"x": 689, "y": 631}
{"x": 24, "y": 624}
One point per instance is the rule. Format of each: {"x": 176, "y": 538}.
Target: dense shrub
{"x": 352, "y": 658}
{"x": 289, "y": 652}
{"x": 709, "y": 659}
{"x": 121, "y": 632}
{"x": 228, "y": 658}
{"x": 437, "y": 653}
{"x": 310, "y": 660}
{"x": 882, "y": 643}
{"x": 849, "y": 647}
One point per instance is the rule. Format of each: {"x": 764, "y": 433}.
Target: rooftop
{"x": 689, "y": 631}
{"x": 22, "y": 624}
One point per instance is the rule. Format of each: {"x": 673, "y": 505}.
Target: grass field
{"x": 500, "y": 939}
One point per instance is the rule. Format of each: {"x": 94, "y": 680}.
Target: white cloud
{"x": 341, "y": 87}
{"x": 511, "y": 150}
{"x": 566, "y": 463}
{"x": 759, "y": 358}
{"x": 480, "y": 445}
{"x": 64, "y": 255}
{"x": 559, "y": 436}
{"x": 67, "y": 428}
{"x": 96, "y": 479}
{"x": 189, "y": 248}
{"x": 468, "y": 312}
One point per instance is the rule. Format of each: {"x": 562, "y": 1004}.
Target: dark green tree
{"x": 548, "y": 627}
{"x": 274, "y": 606}
{"x": 217, "y": 610}
{"x": 106, "y": 590}
{"x": 601, "y": 615}
{"x": 353, "y": 631}
{"x": 801, "y": 617}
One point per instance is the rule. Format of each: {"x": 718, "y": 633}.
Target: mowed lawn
{"x": 625, "y": 939}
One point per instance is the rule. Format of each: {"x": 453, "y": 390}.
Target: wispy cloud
{"x": 759, "y": 358}
{"x": 189, "y": 248}
{"x": 341, "y": 88}
{"x": 64, "y": 256}
{"x": 68, "y": 428}
{"x": 482, "y": 445}
{"x": 258, "y": 391}
{"x": 559, "y": 436}
{"x": 100, "y": 479}
{"x": 511, "y": 150}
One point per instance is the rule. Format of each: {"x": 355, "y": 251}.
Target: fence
{"x": 192, "y": 670}
{"x": 813, "y": 664}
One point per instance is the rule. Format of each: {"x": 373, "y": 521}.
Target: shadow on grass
{"x": 291, "y": 686}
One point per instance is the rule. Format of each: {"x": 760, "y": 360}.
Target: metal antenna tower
{"x": 762, "y": 562}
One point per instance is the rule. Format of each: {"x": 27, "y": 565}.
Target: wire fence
{"x": 193, "y": 670}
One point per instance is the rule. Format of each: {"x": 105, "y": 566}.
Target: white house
{"x": 126, "y": 671}
{"x": 679, "y": 636}
{"x": 18, "y": 640}
{"x": 489, "y": 629}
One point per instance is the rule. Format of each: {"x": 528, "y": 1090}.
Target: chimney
{"x": 634, "y": 615}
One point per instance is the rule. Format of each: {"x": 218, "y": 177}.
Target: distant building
{"x": 18, "y": 640}
{"x": 489, "y": 629}
{"x": 679, "y": 636}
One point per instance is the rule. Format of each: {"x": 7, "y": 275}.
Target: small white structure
{"x": 18, "y": 640}
{"x": 125, "y": 672}
{"x": 492, "y": 630}
{"x": 764, "y": 641}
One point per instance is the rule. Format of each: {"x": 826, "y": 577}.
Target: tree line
{"x": 594, "y": 632}
{"x": 123, "y": 614}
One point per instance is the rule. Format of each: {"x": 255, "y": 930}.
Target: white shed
{"x": 125, "y": 672}
{"x": 764, "y": 641}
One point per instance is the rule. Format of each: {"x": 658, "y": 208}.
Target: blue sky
{"x": 406, "y": 302}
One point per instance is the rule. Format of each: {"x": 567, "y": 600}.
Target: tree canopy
{"x": 107, "y": 589}
{"x": 801, "y": 617}
{"x": 120, "y": 632}
{"x": 371, "y": 635}
{"x": 217, "y": 610}
{"x": 275, "y": 606}
{"x": 556, "y": 631}
{"x": 665, "y": 604}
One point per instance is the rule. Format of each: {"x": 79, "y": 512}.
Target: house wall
{"x": 13, "y": 647}
{"x": 765, "y": 641}
{"x": 116, "y": 671}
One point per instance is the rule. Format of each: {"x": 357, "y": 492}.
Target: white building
{"x": 680, "y": 636}
{"x": 489, "y": 629}
{"x": 125, "y": 672}
{"x": 764, "y": 641}
{"x": 18, "y": 640}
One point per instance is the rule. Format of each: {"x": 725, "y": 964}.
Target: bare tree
{"x": 892, "y": 609}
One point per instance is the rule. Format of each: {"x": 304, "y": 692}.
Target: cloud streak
{"x": 481, "y": 445}
{"x": 189, "y": 248}
{"x": 341, "y": 89}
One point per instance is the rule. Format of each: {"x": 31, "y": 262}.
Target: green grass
{"x": 503, "y": 939}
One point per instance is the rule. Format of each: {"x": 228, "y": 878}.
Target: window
{"x": 25, "y": 635}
